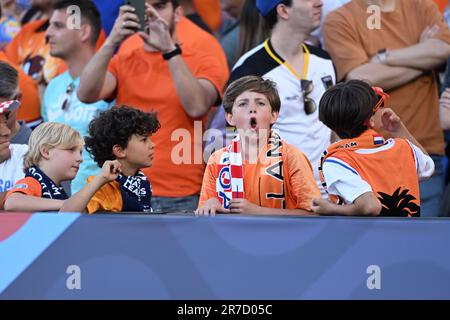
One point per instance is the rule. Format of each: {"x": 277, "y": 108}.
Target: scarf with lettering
{"x": 230, "y": 174}
{"x": 136, "y": 193}
{"x": 268, "y": 186}
{"x": 49, "y": 189}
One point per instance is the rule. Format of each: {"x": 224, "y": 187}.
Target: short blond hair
{"x": 51, "y": 135}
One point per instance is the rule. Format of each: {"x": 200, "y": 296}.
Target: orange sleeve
{"x": 213, "y": 70}
{"x": 209, "y": 179}
{"x": 431, "y": 15}
{"x": 342, "y": 43}
{"x": 113, "y": 66}
{"x": 28, "y": 186}
{"x": 107, "y": 199}
{"x": 302, "y": 186}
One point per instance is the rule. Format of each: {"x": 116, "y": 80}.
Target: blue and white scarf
{"x": 49, "y": 189}
{"x": 136, "y": 193}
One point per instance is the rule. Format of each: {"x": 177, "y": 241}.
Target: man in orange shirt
{"x": 399, "y": 54}
{"x": 177, "y": 81}
{"x": 188, "y": 34}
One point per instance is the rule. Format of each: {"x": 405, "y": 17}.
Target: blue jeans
{"x": 432, "y": 190}
{"x": 181, "y": 205}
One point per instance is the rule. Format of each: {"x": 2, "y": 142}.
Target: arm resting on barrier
{"x": 366, "y": 204}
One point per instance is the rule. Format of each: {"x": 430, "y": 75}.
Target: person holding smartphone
{"x": 178, "y": 81}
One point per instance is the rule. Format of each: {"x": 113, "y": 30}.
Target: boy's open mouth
{"x": 253, "y": 123}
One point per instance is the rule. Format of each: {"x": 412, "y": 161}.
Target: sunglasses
{"x": 67, "y": 99}
{"x": 308, "y": 103}
{"x": 383, "y": 99}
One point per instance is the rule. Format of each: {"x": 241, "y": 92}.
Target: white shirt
{"x": 11, "y": 170}
{"x": 344, "y": 181}
{"x": 304, "y": 131}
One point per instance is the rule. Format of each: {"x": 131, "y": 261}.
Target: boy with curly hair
{"x": 121, "y": 137}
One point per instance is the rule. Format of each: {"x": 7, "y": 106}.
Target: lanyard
{"x": 286, "y": 64}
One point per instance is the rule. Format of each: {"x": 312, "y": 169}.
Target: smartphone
{"x": 139, "y": 5}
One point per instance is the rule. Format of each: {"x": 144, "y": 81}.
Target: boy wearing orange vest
{"x": 366, "y": 173}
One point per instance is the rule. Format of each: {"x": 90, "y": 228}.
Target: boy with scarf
{"x": 368, "y": 174}
{"x": 54, "y": 155}
{"x": 258, "y": 173}
{"x": 119, "y": 141}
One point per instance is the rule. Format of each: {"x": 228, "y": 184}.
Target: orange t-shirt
{"x": 107, "y": 199}
{"x": 210, "y": 11}
{"x": 30, "y": 109}
{"x": 188, "y": 34}
{"x": 144, "y": 81}
{"x": 351, "y": 44}
{"x": 300, "y": 187}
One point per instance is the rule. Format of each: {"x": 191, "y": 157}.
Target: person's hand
{"x": 210, "y": 207}
{"x": 323, "y": 206}
{"x": 243, "y": 206}
{"x": 127, "y": 23}
{"x": 157, "y": 31}
{"x": 444, "y": 102}
{"x": 390, "y": 121}
{"x": 110, "y": 170}
{"x": 429, "y": 33}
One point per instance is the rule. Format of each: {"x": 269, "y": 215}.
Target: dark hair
{"x": 252, "y": 28}
{"x": 175, "y": 3}
{"x": 254, "y": 84}
{"x": 346, "y": 107}
{"x": 9, "y": 81}
{"x": 272, "y": 17}
{"x": 117, "y": 126}
{"x": 89, "y": 12}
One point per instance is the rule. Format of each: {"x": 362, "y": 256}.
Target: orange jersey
{"x": 262, "y": 183}
{"x": 390, "y": 169}
{"x": 144, "y": 81}
{"x": 188, "y": 34}
{"x": 107, "y": 199}
{"x": 29, "y": 110}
